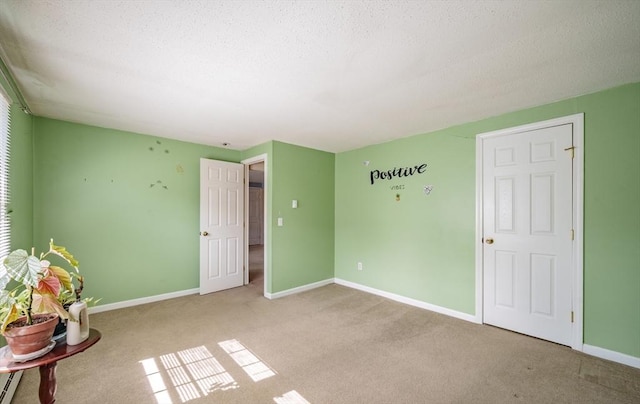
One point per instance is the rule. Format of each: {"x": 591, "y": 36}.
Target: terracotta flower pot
{"x": 24, "y": 339}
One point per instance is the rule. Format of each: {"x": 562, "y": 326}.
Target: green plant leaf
{"x": 4, "y": 276}
{"x": 9, "y": 311}
{"x": 12, "y": 316}
{"x": 6, "y": 298}
{"x": 23, "y": 267}
{"x": 62, "y": 252}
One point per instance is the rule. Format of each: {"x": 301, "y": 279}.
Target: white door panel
{"x": 527, "y": 213}
{"x": 221, "y": 225}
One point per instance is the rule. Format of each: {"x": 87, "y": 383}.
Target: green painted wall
{"x": 417, "y": 246}
{"x": 303, "y": 249}
{"x": 612, "y": 219}
{"x": 423, "y": 246}
{"x": 126, "y": 205}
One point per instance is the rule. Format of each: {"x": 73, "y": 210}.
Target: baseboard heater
{"x": 9, "y": 383}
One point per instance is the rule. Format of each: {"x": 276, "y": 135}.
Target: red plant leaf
{"x": 49, "y": 284}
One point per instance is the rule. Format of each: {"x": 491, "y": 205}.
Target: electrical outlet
{"x": 359, "y": 266}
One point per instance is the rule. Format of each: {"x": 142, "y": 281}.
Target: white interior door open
{"x": 221, "y": 225}
{"x": 528, "y": 232}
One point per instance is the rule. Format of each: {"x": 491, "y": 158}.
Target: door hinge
{"x": 572, "y": 316}
{"x": 573, "y": 234}
{"x": 572, "y": 148}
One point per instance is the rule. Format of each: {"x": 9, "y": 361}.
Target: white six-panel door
{"x": 221, "y": 225}
{"x": 527, "y": 232}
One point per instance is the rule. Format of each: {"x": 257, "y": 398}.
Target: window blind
{"x": 5, "y": 124}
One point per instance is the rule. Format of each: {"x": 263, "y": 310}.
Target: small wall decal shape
{"x": 159, "y": 183}
{"x": 428, "y": 189}
{"x": 152, "y": 148}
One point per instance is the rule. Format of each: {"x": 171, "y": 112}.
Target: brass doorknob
{"x": 489, "y": 241}
{"x": 204, "y": 233}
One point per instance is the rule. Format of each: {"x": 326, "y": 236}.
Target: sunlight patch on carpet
{"x": 254, "y": 367}
{"x": 193, "y": 373}
{"x": 291, "y": 397}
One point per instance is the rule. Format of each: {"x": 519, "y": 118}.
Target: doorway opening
{"x": 256, "y": 223}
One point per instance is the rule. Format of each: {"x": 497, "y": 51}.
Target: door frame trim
{"x": 265, "y": 186}
{"x": 577, "y": 284}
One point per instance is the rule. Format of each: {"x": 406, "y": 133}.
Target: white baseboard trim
{"x": 299, "y": 289}
{"x": 407, "y": 300}
{"x": 611, "y": 355}
{"x": 142, "y": 300}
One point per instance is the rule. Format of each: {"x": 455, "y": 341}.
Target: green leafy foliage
{"x": 23, "y": 268}
{"x": 41, "y": 287}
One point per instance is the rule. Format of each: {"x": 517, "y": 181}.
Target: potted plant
{"x": 31, "y": 288}
{"x": 67, "y": 298}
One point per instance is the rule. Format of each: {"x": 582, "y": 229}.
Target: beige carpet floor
{"x": 329, "y": 345}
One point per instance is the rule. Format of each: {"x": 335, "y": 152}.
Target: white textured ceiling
{"x": 332, "y": 75}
